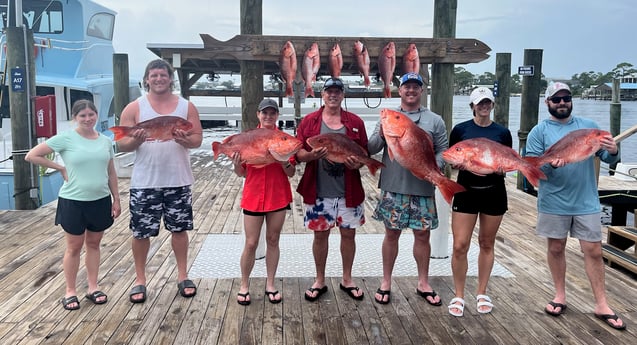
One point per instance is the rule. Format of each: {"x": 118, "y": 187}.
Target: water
{"x": 592, "y": 109}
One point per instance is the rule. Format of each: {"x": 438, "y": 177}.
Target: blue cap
{"x": 411, "y": 77}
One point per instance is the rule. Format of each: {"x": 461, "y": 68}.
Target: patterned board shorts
{"x": 148, "y": 205}
{"x": 330, "y": 212}
{"x": 400, "y": 211}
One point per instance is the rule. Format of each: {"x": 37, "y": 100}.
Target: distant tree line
{"x": 465, "y": 80}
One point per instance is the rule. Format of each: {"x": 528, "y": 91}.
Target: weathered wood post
{"x": 442, "y": 104}
{"x": 503, "y": 79}
{"x": 531, "y": 87}
{"x": 615, "y": 117}
{"x": 251, "y": 17}
{"x": 21, "y": 91}
{"x": 120, "y": 84}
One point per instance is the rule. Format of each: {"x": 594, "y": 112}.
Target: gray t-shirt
{"x": 330, "y": 180}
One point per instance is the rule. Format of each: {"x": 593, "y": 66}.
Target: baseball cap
{"x": 480, "y": 93}
{"x": 268, "y": 103}
{"x": 333, "y": 82}
{"x": 411, "y": 77}
{"x": 554, "y": 88}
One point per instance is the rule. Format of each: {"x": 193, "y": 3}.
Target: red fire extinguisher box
{"x": 45, "y": 121}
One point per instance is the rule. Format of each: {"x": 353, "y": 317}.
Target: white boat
{"x": 73, "y": 60}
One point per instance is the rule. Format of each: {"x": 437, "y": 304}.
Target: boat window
{"x": 101, "y": 26}
{"x": 40, "y": 16}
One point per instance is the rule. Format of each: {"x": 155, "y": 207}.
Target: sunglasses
{"x": 333, "y": 82}
{"x": 557, "y": 99}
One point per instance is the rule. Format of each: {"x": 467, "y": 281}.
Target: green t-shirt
{"x": 86, "y": 162}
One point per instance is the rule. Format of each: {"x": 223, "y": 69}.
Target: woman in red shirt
{"x": 266, "y": 196}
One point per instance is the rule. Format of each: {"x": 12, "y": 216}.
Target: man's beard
{"x": 559, "y": 115}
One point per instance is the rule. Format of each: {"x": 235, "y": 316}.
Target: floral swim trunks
{"x": 400, "y": 211}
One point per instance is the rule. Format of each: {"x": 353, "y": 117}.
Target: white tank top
{"x": 160, "y": 164}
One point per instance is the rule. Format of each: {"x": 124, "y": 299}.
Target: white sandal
{"x": 453, "y": 305}
{"x": 485, "y": 303}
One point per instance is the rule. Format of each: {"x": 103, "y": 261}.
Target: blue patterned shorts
{"x": 328, "y": 212}
{"x": 148, "y": 205}
{"x": 400, "y": 211}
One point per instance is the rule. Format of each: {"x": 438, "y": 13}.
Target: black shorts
{"x": 490, "y": 200}
{"x": 77, "y": 216}
{"x": 256, "y": 214}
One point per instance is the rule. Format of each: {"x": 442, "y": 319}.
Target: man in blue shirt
{"x": 568, "y": 205}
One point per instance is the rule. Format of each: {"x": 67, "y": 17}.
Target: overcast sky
{"x": 575, "y": 35}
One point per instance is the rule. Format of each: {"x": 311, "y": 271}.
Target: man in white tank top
{"x": 162, "y": 176}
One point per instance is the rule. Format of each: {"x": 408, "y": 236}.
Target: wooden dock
{"x": 32, "y": 283}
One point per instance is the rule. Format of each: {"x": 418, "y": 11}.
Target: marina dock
{"x": 32, "y": 284}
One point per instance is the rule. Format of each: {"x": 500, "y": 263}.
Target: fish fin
{"x": 448, "y": 188}
{"x": 387, "y": 91}
{"x": 533, "y": 174}
{"x": 366, "y": 81}
{"x": 216, "y": 146}
{"x": 119, "y": 131}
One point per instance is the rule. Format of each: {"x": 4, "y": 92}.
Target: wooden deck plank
{"x": 32, "y": 283}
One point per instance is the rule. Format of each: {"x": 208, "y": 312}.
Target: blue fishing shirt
{"x": 571, "y": 189}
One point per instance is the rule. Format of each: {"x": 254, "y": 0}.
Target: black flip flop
{"x": 311, "y": 290}
{"x": 350, "y": 292}
{"x": 432, "y": 294}
{"x": 271, "y": 294}
{"x": 556, "y": 305}
{"x": 607, "y": 317}
{"x": 383, "y": 293}
{"x": 245, "y": 296}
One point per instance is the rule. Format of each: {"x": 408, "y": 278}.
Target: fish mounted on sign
{"x": 340, "y": 147}
{"x": 362, "y": 61}
{"x": 258, "y": 147}
{"x": 310, "y": 67}
{"x": 575, "y": 146}
{"x": 483, "y": 156}
{"x": 411, "y": 60}
{"x": 386, "y": 66}
{"x": 160, "y": 128}
{"x": 335, "y": 61}
{"x": 413, "y": 148}
{"x": 287, "y": 63}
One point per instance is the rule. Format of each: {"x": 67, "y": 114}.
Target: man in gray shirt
{"x": 407, "y": 201}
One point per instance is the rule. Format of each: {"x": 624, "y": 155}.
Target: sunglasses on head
{"x": 558, "y": 99}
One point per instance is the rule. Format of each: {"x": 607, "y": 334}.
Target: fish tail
{"x": 535, "y": 161}
{"x": 533, "y": 174}
{"x": 387, "y": 91}
{"x": 309, "y": 91}
{"x": 119, "y": 131}
{"x": 373, "y": 165}
{"x": 449, "y": 188}
{"x": 288, "y": 90}
{"x": 366, "y": 81}
{"x": 216, "y": 147}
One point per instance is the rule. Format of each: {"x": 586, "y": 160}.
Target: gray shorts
{"x": 586, "y": 227}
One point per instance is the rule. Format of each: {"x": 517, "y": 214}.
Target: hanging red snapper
{"x": 362, "y": 61}
{"x": 335, "y": 61}
{"x": 340, "y": 146}
{"x": 386, "y": 66}
{"x": 287, "y": 63}
{"x": 411, "y": 60}
{"x": 259, "y": 147}
{"x": 483, "y": 156}
{"x": 413, "y": 148}
{"x": 310, "y": 67}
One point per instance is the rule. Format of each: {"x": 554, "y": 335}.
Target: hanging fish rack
{"x": 192, "y": 61}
